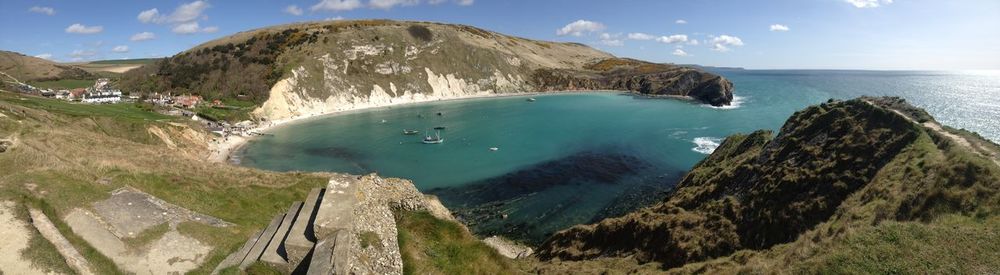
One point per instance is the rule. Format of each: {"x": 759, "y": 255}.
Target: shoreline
{"x": 222, "y": 151}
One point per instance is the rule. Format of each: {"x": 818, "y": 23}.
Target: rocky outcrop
{"x": 346, "y": 228}
{"x": 831, "y": 162}
{"x": 640, "y": 77}
{"x": 316, "y": 68}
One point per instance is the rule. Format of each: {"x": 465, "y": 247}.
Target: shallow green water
{"x": 572, "y": 158}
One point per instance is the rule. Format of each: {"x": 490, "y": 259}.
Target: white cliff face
{"x": 289, "y": 98}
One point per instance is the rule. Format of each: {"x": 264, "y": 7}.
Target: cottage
{"x": 112, "y": 96}
{"x": 187, "y": 101}
{"x": 77, "y": 93}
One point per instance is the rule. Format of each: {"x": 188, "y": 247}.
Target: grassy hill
{"x": 340, "y": 65}
{"x": 870, "y": 185}
{"x": 36, "y": 70}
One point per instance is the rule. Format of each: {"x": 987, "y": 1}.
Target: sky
{"x": 773, "y": 34}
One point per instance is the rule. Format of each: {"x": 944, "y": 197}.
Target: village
{"x": 104, "y": 92}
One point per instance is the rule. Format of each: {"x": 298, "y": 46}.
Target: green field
{"x": 121, "y": 110}
{"x": 64, "y": 84}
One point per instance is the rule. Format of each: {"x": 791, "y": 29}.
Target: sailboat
{"x": 433, "y": 140}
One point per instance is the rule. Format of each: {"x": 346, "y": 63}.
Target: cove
{"x": 574, "y": 158}
{"x": 561, "y": 160}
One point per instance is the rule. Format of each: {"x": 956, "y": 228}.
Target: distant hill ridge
{"x": 28, "y": 68}
{"x": 319, "y": 67}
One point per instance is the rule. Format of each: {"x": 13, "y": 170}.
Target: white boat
{"x": 531, "y": 99}
{"x": 433, "y": 139}
{"x": 494, "y": 148}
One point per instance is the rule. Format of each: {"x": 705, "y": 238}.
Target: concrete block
{"x": 238, "y": 256}
{"x": 300, "y": 239}
{"x": 336, "y": 210}
{"x": 322, "y": 258}
{"x": 265, "y": 238}
{"x": 275, "y": 251}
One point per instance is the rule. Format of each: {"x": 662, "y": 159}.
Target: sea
{"x": 525, "y": 169}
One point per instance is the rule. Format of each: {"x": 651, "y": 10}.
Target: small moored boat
{"x": 410, "y": 132}
{"x": 494, "y": 148}
{"x": 531, "y": 99}
{"x": 440, "y": 128}
{"x": 433, "y": 139}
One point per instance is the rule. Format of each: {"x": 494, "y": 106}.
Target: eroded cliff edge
{"x": 796, "y": 201}
{"x": 322, "y": 67}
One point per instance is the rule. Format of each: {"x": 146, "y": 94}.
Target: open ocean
{"x": 574, "y": 158}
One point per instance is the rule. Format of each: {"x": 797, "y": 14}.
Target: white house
{"x": 112, "y": 96}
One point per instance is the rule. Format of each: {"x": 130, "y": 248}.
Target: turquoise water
{"x": 573, "y": 158}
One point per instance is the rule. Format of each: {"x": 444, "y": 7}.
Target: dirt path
{"x": 934, "y": 126}
{"x": 16, "y": 235}
{"x": 49, "y": 231}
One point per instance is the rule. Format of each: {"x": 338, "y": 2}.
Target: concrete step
{"x": 275, "y": 251}
{"x": 336, "y": 211}
{"x": 238, "y": 256}
{"x": 301, "y": 239}
{"x": 265, "y": 238}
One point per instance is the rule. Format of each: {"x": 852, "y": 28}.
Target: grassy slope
{"x": 433, "y": 246}
{"x": 931, "y": 208}
{"x": 63, "y": 83}
{"x": 70, "y": 155}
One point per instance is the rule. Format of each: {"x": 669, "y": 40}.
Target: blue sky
{"x": 778, "y": 34}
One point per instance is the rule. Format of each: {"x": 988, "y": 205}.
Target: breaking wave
{"x": 706, "y": 145}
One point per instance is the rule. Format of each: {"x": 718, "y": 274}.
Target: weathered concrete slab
{"x": 343, "y": 252}
{"x": 275, "y": 251}
{"x": 336, "y": 211}
{"x": 237, "y": 257}
{"x": 322, "y": 258}
{"x": 300, "y": 239}
{"x": 265, "y": 238}
{"x": 65, "y": 249}
{"x": 171, "y": 253}
{"x": 129, "y": 212}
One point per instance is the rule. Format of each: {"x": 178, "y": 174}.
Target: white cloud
{"x": 676, "y": 38}
{"x": 640, "y": 36}
{"x": 608, "y": 39}
{"x": 45, "y": 56}
{"x": 336, "y": 5}
{"x": 293, "y": 10}
{"x": 868, "y": 3}
{"x": 679, "y": 52}
{"x": 148, "y": 16}
{"x": 82, "y": 53}
{"x": 388, "y": 4}
{"x": 680, "y": 21}
{"x": 81, "y": 29}
{"x": 142, "y": 36}
{"x": 211, "y": 29}
{"x": 722, "y": 43}
{"x": 42, "y": 10}
{"x": 579, "y": 27}
{"x": 186, "y": 28}
{"x": 120, "y": 49}
{"x": 779, "y": 28}
{"x": 464, "y": 2}
{"x": 187, "y": 12}
{"x": 693, "y": 42}
{"x": 184, "y": 13}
